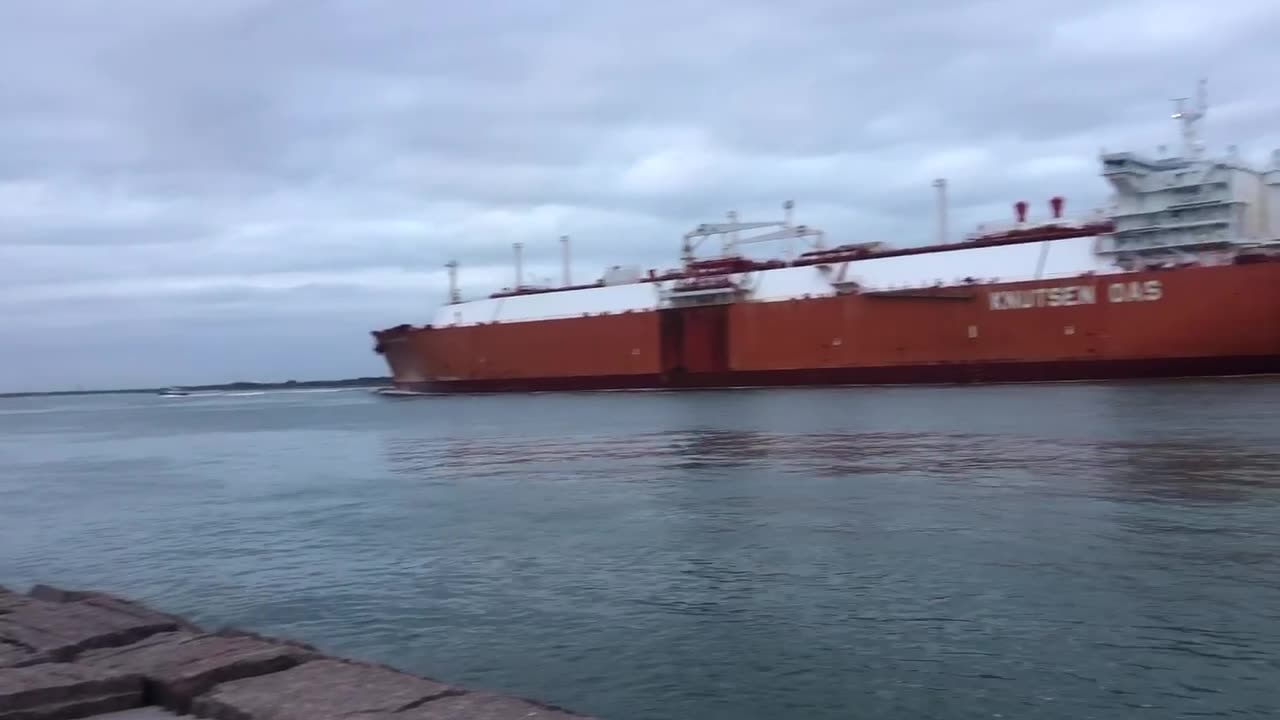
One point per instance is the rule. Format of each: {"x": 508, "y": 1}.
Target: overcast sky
{"x": 241, "y": 189}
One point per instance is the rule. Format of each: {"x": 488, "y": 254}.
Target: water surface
{"x": 1054, "y": 551}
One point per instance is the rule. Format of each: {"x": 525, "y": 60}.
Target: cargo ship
{"x": 1179, "y": 277}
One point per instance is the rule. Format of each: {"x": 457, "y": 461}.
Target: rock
{"x": 53, "y": 632}
{"x": 68, "y": 654}
{"x": 12, "y": 652}
{"x": 179, "y": 666}
{"x": 107, "y": 601}
{"x": 320, "y": 690}
{"x": 94, "y": 708}
{"x": 142, "y": 713}
{"x": 479, "y": 706}
{"x": 14, "y": 655}
{"x": 58, "y": 691}
{"x": 239, "y": 633}
{"x": 10, "y": 599}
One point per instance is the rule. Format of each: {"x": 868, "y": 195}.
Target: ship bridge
{"x": 1180, "y": 206}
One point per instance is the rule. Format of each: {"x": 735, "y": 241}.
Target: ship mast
{"x": 1191, "y": 144}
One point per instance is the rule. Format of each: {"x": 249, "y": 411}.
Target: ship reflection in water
{"x": 1053, "y": 557}
{"x": 1176, "y": 470}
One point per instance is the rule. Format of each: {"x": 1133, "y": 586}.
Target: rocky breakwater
{"x": 72, "y": 654}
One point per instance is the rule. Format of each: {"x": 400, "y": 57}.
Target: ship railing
{"x": 704, "y": 283}
{"x": 499, "y": 320}
{"x": 989, "y": 229}
{"x": 968, "y": 281}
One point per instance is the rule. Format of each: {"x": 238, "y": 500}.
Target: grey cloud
{"x": 307, "y": 166}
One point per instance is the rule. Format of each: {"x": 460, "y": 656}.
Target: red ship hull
{"x": 1186, "y": 322}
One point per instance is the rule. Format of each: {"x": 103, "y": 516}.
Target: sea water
{"x": 1051, "y": 551}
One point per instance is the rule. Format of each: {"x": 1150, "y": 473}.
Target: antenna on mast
{"x": 1192, "y": 145}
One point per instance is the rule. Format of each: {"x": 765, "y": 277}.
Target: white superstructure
{"x": 1187, "y": 204}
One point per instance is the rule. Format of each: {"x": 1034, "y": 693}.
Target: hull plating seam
{"x": 934, "y": 374}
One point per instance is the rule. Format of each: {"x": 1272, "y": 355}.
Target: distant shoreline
{"x": 287, "y": 385}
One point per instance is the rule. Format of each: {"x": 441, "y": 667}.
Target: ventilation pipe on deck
{"x": 1020, "y": 208}
{"x": 564, "y": 260}
{"x": 454, "y": 296}
{"x": 1055, "y": 204}
{"x": 519, "y": 250}
{"x": 941, "y": 185}
{"x": 731, "y": 238}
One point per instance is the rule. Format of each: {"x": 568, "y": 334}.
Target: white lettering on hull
{"x": 1044, "y": 297}
{"x": 1148, "y": 291}
{"x": 1069, "y": 295}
